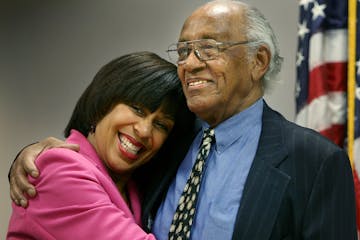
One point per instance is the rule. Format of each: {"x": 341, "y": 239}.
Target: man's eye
{"x": 182, "y": 51}
{"x": 207, "y": 47}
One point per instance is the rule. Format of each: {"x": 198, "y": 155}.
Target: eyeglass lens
{"x": 204, "y": 50}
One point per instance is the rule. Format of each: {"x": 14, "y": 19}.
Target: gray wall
{"x": 50, "y": 50}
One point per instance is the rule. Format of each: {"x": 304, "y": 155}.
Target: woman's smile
{"x": 129, "y": 147}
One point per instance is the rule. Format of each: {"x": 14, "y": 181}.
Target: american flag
{"x": 322, "y": 67}
{"x": 323, "y": 84}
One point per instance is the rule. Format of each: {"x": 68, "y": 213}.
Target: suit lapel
{"x": 162, "y": 178}
{"x": 265, "y": 184}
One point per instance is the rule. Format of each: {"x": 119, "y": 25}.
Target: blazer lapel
{"x": 265, "y": 185}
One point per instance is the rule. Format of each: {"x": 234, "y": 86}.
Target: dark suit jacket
{"x": 300, "y": 186}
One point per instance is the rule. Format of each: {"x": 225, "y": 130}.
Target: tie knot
{"x": 210, "y": 132}
{"x": 209, "y": 136}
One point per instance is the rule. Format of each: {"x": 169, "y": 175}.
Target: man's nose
{"x": 193, "y": 61}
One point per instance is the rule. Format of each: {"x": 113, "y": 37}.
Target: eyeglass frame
{"x": 219, "y": 47}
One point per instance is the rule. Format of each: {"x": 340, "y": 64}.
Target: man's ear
{"x": 261, "y": 62}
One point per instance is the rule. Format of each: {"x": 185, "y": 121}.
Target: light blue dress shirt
{"x": 223, "y": 181}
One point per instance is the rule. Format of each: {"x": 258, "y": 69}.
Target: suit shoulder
{"x": 309, "y": 141}
{"x": 297, "y": 137}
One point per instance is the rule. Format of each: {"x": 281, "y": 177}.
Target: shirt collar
{"x": 239, "y": 125}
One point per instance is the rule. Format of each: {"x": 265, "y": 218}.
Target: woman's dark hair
{"x": 141, "y": 78}
{"x": 146, "y": 80}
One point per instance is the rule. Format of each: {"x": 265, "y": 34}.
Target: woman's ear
{"x": 261, "y": 62}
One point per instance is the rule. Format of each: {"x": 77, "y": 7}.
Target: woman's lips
{"x": 129, "y": 147}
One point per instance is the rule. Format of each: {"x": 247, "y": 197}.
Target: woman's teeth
{"x": 129, "y": 146}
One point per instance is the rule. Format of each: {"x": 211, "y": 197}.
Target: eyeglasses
{"x": 204, "y": 49}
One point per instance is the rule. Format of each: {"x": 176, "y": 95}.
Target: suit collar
{"x": 265, "y": 184}
{"x": 270, "y": 149}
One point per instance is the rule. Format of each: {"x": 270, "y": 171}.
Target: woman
{"x": 120, "y": 122}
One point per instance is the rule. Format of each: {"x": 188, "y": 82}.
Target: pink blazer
{"x": 76, "y": 199}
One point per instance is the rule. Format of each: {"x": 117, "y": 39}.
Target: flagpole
{"x": 351, "y": 78}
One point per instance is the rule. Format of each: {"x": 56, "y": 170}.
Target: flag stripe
{"x": 336, "y": 132}
{"x": 324, "y": 111}
{"x": 328, "y": 46}
{"x": 329, "y": 77}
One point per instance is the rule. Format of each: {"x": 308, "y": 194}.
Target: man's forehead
{"x": 209, "y": 27}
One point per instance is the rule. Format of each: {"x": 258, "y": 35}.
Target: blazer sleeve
{"x": 73, "y": 203}
{"x": 330, "y": 210}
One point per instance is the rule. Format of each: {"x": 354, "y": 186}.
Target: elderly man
{"x": 261, "y": 176}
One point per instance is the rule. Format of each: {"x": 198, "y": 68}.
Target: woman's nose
{"x": 143, "y": 128}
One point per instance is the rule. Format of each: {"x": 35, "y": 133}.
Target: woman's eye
{"x": 165, "y": 126}
{"x": 138, "y": 110}
{"x": 162, "y": 126}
